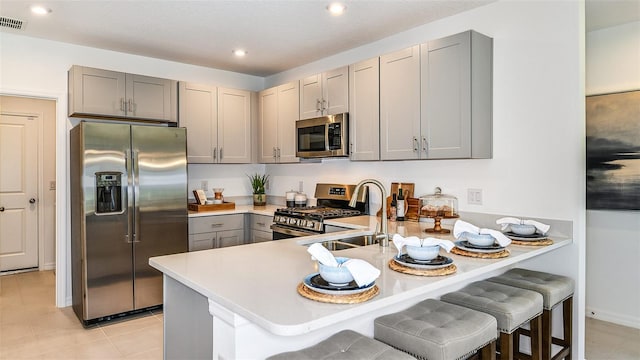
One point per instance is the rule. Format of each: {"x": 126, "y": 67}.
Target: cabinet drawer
{"x": 215, "y": 223}
{"x": 201, "y": 241}
{"x": 261, "y": 222}
{"x": 229, "y": 238}
{"x": 261, "y": 236}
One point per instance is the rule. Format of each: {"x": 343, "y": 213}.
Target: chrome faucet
{"x": 382, "y": 236}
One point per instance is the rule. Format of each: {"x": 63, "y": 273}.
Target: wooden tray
{"x": 338, "y": 299}
{"x": 448, "y": 270}
{"x": 497, "y": 255}
{"x": 212, "y": 207}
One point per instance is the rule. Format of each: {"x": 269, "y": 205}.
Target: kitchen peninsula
{"x": 241, "y": 302}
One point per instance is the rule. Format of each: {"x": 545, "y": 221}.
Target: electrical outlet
{"x": 204, "y": 185}
{"x": 301, "y": 186}
{"x": 266, "y": 185}
{"x": 52, "y": 185}
{"x": 474, "y": 196}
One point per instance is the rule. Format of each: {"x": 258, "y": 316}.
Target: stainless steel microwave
{"x": 325, "y": 136}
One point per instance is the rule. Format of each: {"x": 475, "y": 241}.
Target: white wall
{"x": 613, "y": 237}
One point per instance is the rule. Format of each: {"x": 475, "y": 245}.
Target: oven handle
{"x": 289, "y": 231}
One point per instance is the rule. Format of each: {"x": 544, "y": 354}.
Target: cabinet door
{"x": 335, "y": 91}
{"x": 202, "y": 241}
{"x": 261, "y": 236}
{"x": 149, "y": 97}
{"x": 198, "y": 113}
{"x": 96, "y": 91}
{"x": 400, "y": 104}
{"x": 364, "y": 110}
{"x": 311, "y": 97}
{"x": 288, "y": 111}
{"x": 229, "y": 238}
{"x": 446, "y": 92}
{"x": 268, "y": 125}
{"x": 234, "y": 126}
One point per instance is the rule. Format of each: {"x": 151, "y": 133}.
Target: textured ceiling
{"x": 278, "y": 34}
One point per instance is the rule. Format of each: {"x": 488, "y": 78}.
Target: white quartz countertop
{"x": 240, "y": 209}
{"x": 258, "y": 281}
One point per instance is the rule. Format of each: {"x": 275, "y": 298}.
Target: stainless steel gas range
{"x": 332, "y": 203}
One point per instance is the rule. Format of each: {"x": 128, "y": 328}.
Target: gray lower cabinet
{"x": 456, "y": 91}
{"x": 261, "y": 228}
{"x": 216, "y": 231}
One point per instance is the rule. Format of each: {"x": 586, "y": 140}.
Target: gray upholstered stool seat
{"x": 345, "y": 345}
{"x": 512, "y": 307}
{"x": 436, "y": 330}
{"x": 555, "y": 289}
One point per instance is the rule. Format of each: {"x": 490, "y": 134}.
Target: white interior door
{"x": 18, "y": 192}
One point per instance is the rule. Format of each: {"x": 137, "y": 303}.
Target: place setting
{"x": 525, "y": 232}
{"x": 476, "y": 242}
{"x": 422, "y": 256}
{"x": 340, "y": 280}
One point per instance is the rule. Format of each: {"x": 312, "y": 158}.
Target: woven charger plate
{"x": 543, "y": 242}
{"x": 497, "y": 255}
{"x": 338, "y": 299}
{"x": 393, "y": 265}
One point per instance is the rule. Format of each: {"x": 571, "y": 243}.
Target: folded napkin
{"x": 462, "y": 226}
{"x": 399, "y": 241}
{"x": 322, "y": 254}
{"x": 506, "y": 221}
{"x": 363, "y": 272}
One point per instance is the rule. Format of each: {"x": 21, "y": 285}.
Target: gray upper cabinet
{"x": 104, "y": 93}
{"x": 456, "y": 101}
{"x": 400, "y": 104}
{"x": 279, "y": 110}
{"x": 325, "y": 94}
{"x": 218, "y": 122}
{"x": 364, "y": 110}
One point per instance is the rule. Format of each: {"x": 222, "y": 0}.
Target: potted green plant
{"x": 258, "y": 183}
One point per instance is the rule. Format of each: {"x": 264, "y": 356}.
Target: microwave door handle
{"x": 326, "y": 137}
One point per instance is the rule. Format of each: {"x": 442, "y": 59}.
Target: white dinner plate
{"x": 307, "y": 282}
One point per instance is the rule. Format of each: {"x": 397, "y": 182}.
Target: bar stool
{"x": 346, "y": 344}
{"x": 436, "y": 330}
{"x": 555, "y": 289}
{"x": 512, "y": 307}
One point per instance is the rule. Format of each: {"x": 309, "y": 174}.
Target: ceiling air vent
{"x": 10, "y": 23}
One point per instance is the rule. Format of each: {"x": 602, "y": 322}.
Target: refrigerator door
{"x": 105, "y": 255}
{"x": 160, "y": 204}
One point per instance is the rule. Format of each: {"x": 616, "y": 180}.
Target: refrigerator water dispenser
{"x": 108, "y": 192}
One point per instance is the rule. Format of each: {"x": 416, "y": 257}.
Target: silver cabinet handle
{"x": 415, "y": 144}
{"x": 32, "y": 201}
{"x": 278, "y": 153}
{"x": 215, "y": 154}
{"x": 424, "y": 144}
{"x": 323, "y": 105}
{"x": 221, "y": 154}
{"x": 261, "y": 224}
{"x": 130, "y": 108}
{"x": 216, "y": 225}
{"x": 1, "y": 208}
{"x": 318, "y": 106}
{"x": 122, "y": 108}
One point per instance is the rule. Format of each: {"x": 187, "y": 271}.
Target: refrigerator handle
{"x": 136, "y": 198}
{"x": 127, "y": 195}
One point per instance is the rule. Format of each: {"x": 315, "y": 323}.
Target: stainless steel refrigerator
{"x": 128, "y": 203}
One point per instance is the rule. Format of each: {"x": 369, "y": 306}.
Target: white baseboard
{"x": 68, "y": 301}
{"x": 48, "y": 266}
{"x": 620, "y": 319}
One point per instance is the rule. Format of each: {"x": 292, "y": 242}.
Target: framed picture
{"x": 613, "y": 151}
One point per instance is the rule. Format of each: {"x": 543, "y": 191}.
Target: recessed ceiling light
{"x": 40, "y": 10}
{"x": 336, "y": 9}
{"x": 240, "y": 52}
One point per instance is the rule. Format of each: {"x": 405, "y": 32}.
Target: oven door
{"x": 283, "y": 232}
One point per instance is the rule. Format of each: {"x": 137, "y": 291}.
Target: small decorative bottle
{"x": 400, "y": 211}
{"x": 393, "y": 208}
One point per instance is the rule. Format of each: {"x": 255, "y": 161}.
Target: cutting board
{"x": 211, "y": 207}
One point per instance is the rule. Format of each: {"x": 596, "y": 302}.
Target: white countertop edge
{"x": 354, "y": 310}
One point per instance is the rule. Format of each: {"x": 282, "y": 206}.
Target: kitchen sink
{"x": 349, "y": 243}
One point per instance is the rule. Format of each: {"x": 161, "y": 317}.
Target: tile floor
{"x": 31, "y": 327}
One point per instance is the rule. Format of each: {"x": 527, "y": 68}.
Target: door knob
{"x": 32, "y": 201}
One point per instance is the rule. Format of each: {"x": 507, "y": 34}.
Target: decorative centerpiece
{"x": 438, "y": 206}
{"x": 258, "y": 183}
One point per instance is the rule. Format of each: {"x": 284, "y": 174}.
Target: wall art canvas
{"x": 613, "y": 151}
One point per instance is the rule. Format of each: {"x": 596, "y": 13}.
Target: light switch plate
{"x": 474, "y": 196}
